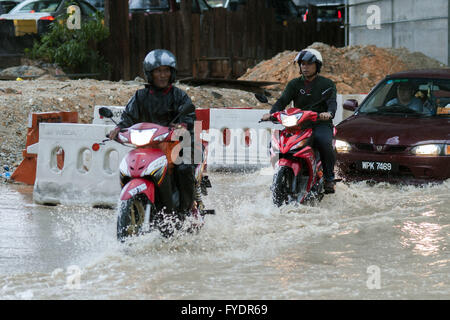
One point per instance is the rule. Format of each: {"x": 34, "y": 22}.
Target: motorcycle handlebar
{"x": 272, "y": 119}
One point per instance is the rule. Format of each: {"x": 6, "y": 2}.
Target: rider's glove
{"x": 178, "y": 125}
{"x": 266, "y": 117}
{"x": 113, "y": 133}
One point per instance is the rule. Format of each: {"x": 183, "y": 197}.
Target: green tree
{"x": 74, "y": 50}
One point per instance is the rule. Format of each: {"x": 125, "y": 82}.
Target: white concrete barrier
{"x": 236, "y": 139}
{"x": 69, "y": 171}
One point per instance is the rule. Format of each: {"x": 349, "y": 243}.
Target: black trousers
{"x": 323, "y": 141}
{"x": 185, "y": 179}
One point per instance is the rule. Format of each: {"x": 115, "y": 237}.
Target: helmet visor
{"x": 305, "y": 56}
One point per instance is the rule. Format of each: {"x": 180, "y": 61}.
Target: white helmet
{"x": 310, "y": 55}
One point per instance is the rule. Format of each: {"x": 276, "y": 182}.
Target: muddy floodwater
{"x": 363, "y": 242}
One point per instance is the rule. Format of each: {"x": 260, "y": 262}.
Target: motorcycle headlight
{"x": 342, "y": 146}
{"x": 161, "y": 137}
{"x": 122, "y": 138}
{"x": 141, "y": 137}
{"x": 427, "y": 150}
{"x": 290, "y": 121}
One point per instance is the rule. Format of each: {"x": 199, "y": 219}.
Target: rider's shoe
{"x": 329, "y": 187}
{"x": 199, "y": 205}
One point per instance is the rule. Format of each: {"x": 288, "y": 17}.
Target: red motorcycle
{"x": 298, "y": 174}
{"x": 149, "y": 195}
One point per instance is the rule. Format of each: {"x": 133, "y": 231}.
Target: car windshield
{"x": 285, "y": 8}
{"x": 37, "y": 6}
{"x": 149, "y": 5}
{"x": 409, "y": 96}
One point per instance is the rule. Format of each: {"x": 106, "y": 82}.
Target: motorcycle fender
{"x": 306, "y": 153}
{"x": 136, "y": 186}
{"x": 294, "y": 165}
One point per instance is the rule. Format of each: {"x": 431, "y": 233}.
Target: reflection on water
{"x": 425, "y": 237}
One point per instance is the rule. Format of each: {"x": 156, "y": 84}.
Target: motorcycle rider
{"x": 305, "y": 91}
{"x": 159, "y": 102}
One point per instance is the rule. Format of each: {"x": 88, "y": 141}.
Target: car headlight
{"x": 342, "y": 146}
{"x": 141, "y": 137}
{"x": 427, "y": 150}
{"x": 290, "y": 121}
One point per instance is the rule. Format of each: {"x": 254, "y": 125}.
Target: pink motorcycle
{"x": 149, "y": 195}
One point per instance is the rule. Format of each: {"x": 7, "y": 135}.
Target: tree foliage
{"x": 74, "y": 50}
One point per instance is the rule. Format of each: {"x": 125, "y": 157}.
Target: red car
{"x": 400, "y": 132}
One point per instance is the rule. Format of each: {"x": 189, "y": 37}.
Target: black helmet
{"x": 157, "y": 58}
{"x": 310, "y": 55}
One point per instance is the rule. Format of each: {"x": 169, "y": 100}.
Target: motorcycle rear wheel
{"x": 130, "y": 219}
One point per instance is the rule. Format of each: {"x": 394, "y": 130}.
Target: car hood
{"x": 25, "y": 16}
{"x": 393, "y": 130}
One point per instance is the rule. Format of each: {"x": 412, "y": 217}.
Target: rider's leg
{"x": 184, "y": 174}
{"x": 323, "y": 140}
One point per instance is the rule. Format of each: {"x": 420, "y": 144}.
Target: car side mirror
{"x": 350, "y": 104}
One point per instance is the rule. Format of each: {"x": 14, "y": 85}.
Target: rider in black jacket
{"x": 159, "y": 102}
{"x": 306, "y": 93}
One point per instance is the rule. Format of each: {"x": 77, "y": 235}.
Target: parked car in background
{"x": 396, "y": 137}
{"x": 98, "y": 4}
{"x": 34, "y": 16}
{"x": 284, "y": 9}
{"x": 325, "y": 12}
{"x": 215, "y": 3}
{"x": 7, "y": 5}
{"x": 160, "y": 6}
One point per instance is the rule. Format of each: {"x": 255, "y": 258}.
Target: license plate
{"x": 378, "y": 166}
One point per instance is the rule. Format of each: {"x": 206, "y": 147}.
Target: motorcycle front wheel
{"x": 281, "y": 185}
{"x": 130, "y": 220}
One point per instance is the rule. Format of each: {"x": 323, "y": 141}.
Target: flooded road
{"x": 363, "y": 242}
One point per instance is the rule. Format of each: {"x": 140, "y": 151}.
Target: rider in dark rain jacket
{"x": 159, "y": 102}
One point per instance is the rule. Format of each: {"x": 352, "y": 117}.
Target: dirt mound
{"x": 354, "y": 69}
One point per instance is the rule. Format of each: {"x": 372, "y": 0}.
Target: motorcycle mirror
{"x": 261, "y": 98}
{"x": 105, "y": 112}
{"x": 186, "y": 109}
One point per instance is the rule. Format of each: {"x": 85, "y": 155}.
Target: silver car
{"x": 43, "y": 12}
{"x": 7, "y": 5}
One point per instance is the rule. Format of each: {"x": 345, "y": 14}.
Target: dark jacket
{"x": 305, "y": 94}
{"x": 157, "y": 106}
